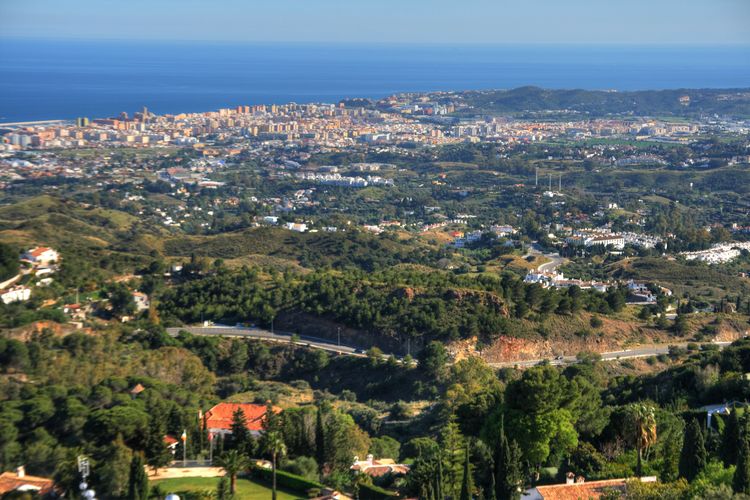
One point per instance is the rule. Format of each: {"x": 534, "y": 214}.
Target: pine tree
{"x": 730, "y": 439}
{"x": 138, "y": 482}
{"x": 693, "y": 458}
{"x": 452, "y": 445}
{"x": 741, "y": 479}
{"x": 467, "y": 485}
{"x": 241, "y": 439}
{"x": 113, "y": 473}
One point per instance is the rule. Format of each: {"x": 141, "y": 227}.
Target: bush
{"x": 372, "y": 492}
{"x": 285, "y": 479}
{"x": 305, "y": 467}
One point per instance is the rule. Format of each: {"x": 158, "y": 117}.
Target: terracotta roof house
{"x": 218, "y": 420}
{"x": 379, "y": 467}
{"x": 579, "y": 489}
{"x": 137, "y": 389}
{"x": 19, "y": 481}
{"x": 41, "y": 255}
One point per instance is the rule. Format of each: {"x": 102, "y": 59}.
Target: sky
{"x": 694, "y": 22}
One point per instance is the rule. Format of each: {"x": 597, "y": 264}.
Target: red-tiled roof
{"x": 220, "y": 416}
{"x": 36, "y": 252}
{"x": 590, "y": 490}
{"x": 10, "y": 481}
{"x": 137, "y": 389}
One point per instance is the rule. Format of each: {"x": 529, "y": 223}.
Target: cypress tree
{"x": 467, "y": 485}
{"x": 730, "y": 439}
{"x": 491, "y": 495}
{"x": 320, "y": 439}
{"x": 439, "y": 480}
{"x": 693, "y": 458}
{"x": 507, "y": 467}
{"x": 138, "y": 482}
{"x": 741, "y": 479}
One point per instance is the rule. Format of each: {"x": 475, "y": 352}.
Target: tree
{"x": 157, "y": 454}
{"x": 433, "y": 359}
{"x": 274, "y": 445}
{"x": 693, "y": 458}
{"x": 451, "y": 447}
{"x": 121, "y": 299}
{"x": 741, "y": 479}
{"x": 320, "y": 438}
{"x": 385, "y": 447}
{"x": 138, "y": 482}
{"x": 641, "y": 429}
{"x": 730, "y": 439}
{"x": 467, "y": 485}
{"x": 8, "y": 262}
{"x": 241, "y": 439}
{"x": 113, "y": 475}
{"x": 507, "y": 475}
{"x": 233, "y": 462}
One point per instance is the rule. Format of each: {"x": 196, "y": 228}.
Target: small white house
{"x": 41, "y": 255}
{"x": 296, "y": 226}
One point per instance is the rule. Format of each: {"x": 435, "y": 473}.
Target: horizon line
{"x": 591, "y": 44}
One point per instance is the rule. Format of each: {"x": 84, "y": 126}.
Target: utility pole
{"x": 550, "y": 182}
{"x": 559, "y": 186}
{"x": 338, "y": 331}
{"x": 536, "y": 177}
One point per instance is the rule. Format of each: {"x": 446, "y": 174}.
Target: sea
{"x": 65, "y": 79}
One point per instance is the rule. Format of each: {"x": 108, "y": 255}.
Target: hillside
{"x": 735, "y": 102}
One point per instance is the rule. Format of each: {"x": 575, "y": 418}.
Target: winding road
{"x": 350, "y": 350}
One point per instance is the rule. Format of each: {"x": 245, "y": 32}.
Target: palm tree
{"x": 275, "y": 446}
{"x": 233, "y": 462}
{"x": 642, "y": 429}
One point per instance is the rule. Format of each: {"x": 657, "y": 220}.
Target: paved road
{"x": 349, "y": 350}
{"x": 555, "y": 262}
{"x": 638, "y": 352}
{"x": 555, "y": 259}
{"x": 275, "y": 336}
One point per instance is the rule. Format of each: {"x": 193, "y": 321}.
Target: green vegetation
{"x": 246, "y": 488}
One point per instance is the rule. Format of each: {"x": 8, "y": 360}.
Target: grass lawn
{"x": 246, "y": 489}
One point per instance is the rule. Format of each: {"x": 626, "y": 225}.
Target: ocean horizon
{"x": 65, "y": 79}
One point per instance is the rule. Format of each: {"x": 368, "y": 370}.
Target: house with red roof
{"x": 577, "y": 488}
{"x": 41, "y": 255}
{"x": 218, "y": 420}
{"x": 20, "y": 481}
{"x": 379, "y": 467}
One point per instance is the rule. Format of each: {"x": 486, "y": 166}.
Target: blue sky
{"x": 392, "y": 21}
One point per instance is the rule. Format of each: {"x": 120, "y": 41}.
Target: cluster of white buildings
{"x": 558, "y": 280}
{"x": 337, "y": 179}
{"x": 605, "y": 237}
{"x": 42, "y": 262}
{"x": 718, "y": 254}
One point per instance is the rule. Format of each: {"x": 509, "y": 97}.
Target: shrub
{"x": 372, "y": 492}
{"x": 286, "y": 479}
